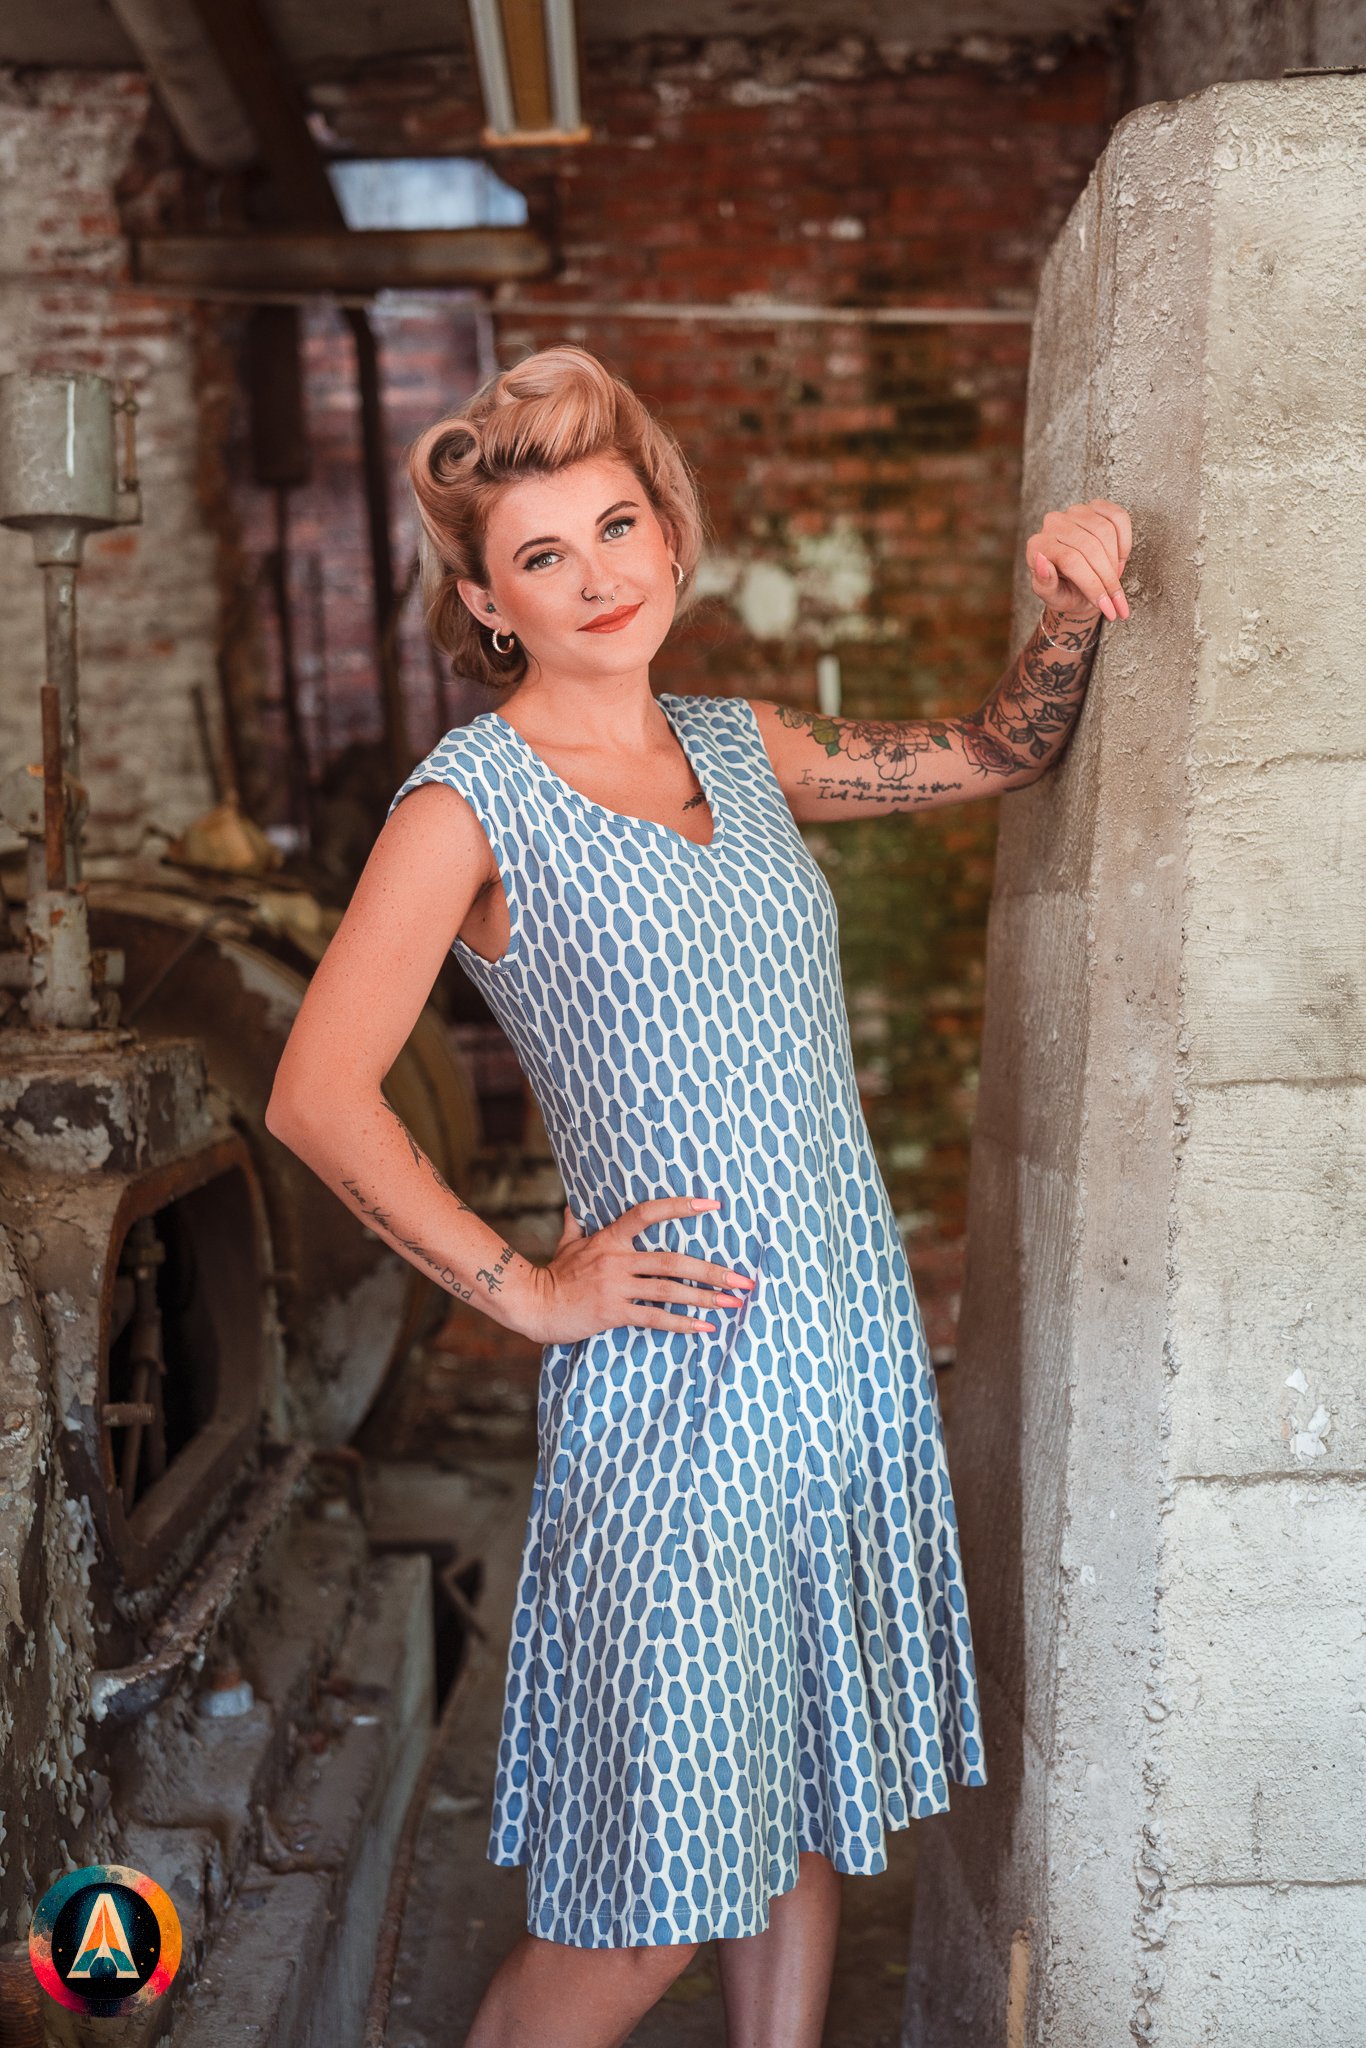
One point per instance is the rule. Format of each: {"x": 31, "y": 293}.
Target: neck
{"x": 586, "y": 710}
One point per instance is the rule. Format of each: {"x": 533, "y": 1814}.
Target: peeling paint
{"x": 823, "y": 589}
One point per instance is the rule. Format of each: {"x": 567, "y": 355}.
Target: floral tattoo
{"x": 1021, "y": 726}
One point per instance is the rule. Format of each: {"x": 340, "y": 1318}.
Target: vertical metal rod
{"x": 59, "y": 608}
{"x": 321, "y": 705}
{"x": 209, "y": 751}
{"x": 54, "y": 789}
{"x": 297, "y": 766}
{"x": 395, "y": 723}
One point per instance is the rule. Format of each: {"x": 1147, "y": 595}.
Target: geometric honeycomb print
{"x": 740, "y": 1628}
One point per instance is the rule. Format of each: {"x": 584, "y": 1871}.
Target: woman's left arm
{"x": 870, "y": 767}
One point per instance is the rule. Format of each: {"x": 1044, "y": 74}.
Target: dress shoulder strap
{"x": 727, "y": 721}
{"x": 733, "y": 732}
{"x": 470, "y": 759}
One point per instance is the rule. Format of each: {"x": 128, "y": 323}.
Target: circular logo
{"x": 105, "y": 1940}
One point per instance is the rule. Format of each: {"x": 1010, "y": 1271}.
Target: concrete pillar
{"x": 1158, "y": 1446}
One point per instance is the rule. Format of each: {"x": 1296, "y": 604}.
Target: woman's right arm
{"x": 327, "y": 1104}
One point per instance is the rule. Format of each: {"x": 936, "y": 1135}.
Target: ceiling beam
{"x": 359, "y": 260}
{"x": 248, "y": 52}
{"x": 204, "y": 110}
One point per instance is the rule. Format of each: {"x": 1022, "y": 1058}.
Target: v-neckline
{"x": 718, "y": 824}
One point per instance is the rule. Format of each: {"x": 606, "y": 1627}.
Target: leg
{"x": 546, "y": 1994}
{"x": 776, "y": 1985}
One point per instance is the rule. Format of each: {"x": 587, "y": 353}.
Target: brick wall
{"x": 85, "y": 153}
{"x": 429, "y": 359}
{"x": 861, "y": 481}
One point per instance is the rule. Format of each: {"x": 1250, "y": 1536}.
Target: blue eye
{"x": 548, "y": 556}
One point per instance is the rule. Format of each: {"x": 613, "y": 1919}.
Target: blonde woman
{"x": 740, "y": 1653}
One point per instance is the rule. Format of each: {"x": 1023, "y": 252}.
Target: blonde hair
{"x": 555, "y": 407}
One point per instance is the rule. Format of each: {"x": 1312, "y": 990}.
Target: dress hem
{"x": 612, "y": 1931}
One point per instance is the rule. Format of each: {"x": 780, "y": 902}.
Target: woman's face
{"x": 564, "y": 550}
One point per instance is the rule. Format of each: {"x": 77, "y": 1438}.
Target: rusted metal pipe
{"x": 181, "y": 1637}
{"x": 143, "y": 1253}
{"x": 54, "y": 789}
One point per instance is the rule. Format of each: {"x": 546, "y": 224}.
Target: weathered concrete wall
{"x": 1158, "y": 1449}
{"x": 1180, "y": 46}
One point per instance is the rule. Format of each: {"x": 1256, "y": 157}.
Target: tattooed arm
{"x": 870, "y": 767}
{"x": 428, "y": 867}
{"x": 403, "y": 1197}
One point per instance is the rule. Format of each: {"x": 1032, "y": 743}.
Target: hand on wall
{"x": 1077, "y": 559}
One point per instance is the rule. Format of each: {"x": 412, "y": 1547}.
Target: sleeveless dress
{"x": 740, "y": 1628}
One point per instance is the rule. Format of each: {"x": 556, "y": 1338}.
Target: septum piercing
{"x": 679, "y": 574}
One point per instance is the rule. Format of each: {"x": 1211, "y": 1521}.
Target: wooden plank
{"x": 351, "y": 260}
{"x": 528, "y": 62}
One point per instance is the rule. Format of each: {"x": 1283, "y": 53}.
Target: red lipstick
{"x": 611, "y": 622}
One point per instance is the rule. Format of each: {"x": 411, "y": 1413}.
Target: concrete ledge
{"x": 292, "y": 1965}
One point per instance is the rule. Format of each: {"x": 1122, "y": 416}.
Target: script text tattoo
{"x": 442, "y": 1271}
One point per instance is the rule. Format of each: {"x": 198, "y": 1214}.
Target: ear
{"x": 478, "y": 601}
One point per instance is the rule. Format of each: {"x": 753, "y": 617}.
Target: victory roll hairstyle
{"x": 554, "y": 408}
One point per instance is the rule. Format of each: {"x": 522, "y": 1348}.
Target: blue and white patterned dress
{"x": 740, "y": 1628}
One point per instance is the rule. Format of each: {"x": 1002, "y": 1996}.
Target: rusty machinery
{"x": 190, "y": 1319}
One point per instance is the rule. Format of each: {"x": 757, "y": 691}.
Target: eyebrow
{"x": 549, "y": 539}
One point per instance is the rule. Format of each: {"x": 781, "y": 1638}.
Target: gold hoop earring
{"x": 512, "y": 642}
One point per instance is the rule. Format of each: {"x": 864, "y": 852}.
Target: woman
{"x": 740, "y": 1651}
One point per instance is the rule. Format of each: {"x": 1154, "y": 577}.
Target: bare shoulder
{"x": 429, "y": 863}
{"x": 794, "y": 739}
{"x": 435, "y": 813}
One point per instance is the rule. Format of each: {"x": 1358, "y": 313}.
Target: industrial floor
{"x": 462, "y": 1913}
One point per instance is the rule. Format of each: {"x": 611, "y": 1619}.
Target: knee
{"x": 658, "y": 1965}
